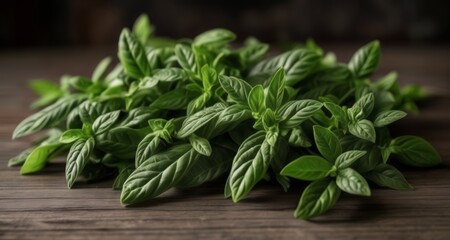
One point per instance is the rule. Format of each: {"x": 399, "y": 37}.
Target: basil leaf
{"x": 121, "y": 142}
{"x": 297, "y": 64}
{"x": 105, "y": 121}
{"x": 132, "y": 56}
{"x": 158, "y": 174}
{"x": 337, "y": 111}
{"x": 327, "y": 143}
{"x": 169, "y": 75}
{"x": 72, "y": 135}
{"x": 293, "y": 113}
{"x": 199, "y": 119}
{"x": 362, "y": 108}
{"x": 350, "y": 181}
{"x": 317, "y": 199}
{"x": 214, "y": 38}
{"x": 237, "y": 89}
{"x": 275, "y": 90}
{"x": 209, "y": 77}
{"x": 39, "y": 157}
{"x": 249, "y": 165}
{"x": 256, "y": 99}
{"x": 365, "y": 61}
{"x": 206, "y": 169}
{"x": 99, "y": 72}
{"x": 363, "y": 129}
{"x": 47, "y": 117}
{"x": 185, "y": 57}
{"x": 386, "y": 175}
{"x": 415, "y": 151}
{"x": 201, "y": 145}
{"x": 308, "y": 168}
{"x": 142, "y": 29}
{"x": 77, "y": 159}
{"x": 299, "y": 139}
{"x": 148, "y": 147}
{"x": 124, "y": 173}
{"x": 20, "y": 158}
{"x": 346, "y": 159}
{"x": 388, "y": 117}
{"x": 175, "y": 99}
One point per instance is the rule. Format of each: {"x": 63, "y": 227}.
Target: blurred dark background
{"x": 38, "y": 23}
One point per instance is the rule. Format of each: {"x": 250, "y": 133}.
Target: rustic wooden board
{"x": 40, "y": 206}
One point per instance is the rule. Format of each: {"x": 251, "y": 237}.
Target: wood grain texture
{"x": 41, "y": 207}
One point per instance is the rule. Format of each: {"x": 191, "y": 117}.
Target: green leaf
{"x": 350, "y": 181}
{"x": 415, "y": 151}
{"x": 47, "y": 117}
{"x": 124, "y": 173}
{"x": 72, "y": 135}
{"x": 132, "y": 56}
{"x": 386, "y": 175}
{"x": 308, "y": 168}
{"x": 346, "y": 159}
{"x": 249, "y": 165}
{"x": 327, "y": 143}
{"x": 77, "y": 159}
{"x": 169, "y": 75}
{"x": 275, "y": 90}
{"x": 44, "y": 87}
{"x": 362, "y": 108}
{"x": 293, "y": 113}
{"x": 363, "y": 129}
{"x": 199, "y": 119}
{"x": 206, "y": 169}
{"x": 148, "y": 147}
{"x": 365, "y": 61}
{"x": 40, "y": 156}
{"x": 297, "y": 64}
{"x": 317, "y": 199}
{"x": 337, "y": 111}
{"x": 388, "y": 117}
{"x": 201, "y": 145}
{"x": 209, "y": 77}
{"x": 173, "y": 100}
{"x": 299, "y": 139}
{"x": 185, "y": 57}
{"x": 158, "y": 174}
{"x": 256, "y": 99}
{"x": 238, "y": 90}
{"x": 214, "y": 38}
{"x": 142, "y": 29}
{"x": 100, "y": 70}
{"x": 21, "y": 157}
{"x": 105, "y": 121}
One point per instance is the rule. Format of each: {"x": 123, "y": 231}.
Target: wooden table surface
{"x": 41, "y": 207}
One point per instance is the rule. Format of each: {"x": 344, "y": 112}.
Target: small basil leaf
{"x": 148, "y": 147}
{"x": 365, "y": 61}
{"x": 363, "y": 129}
{"x": 185, "y": 57}
{"x": 388, "y": 117}
{"x": 169, "y": 75}
{"x": 256, "y": 99}
{"x": 214, "y": 38}
{"x": 388, "y": 176}
{"x": 327, "y": 143}
{"x": 348, "y": 158}
{"x": 238, "y": 90}
{"x": 199, "y": 119}
{"x": 40, "y": 156}
{"x": 158, "y": 174}
{"x": 337, "y": 111}
{"x": 201, "y": 145}
{"x": 77, "y": 159}
{"x": 350, "y": 181}
{"x": 317, "y": 198}
{"x": 47, "y": 117}
{"x": 308, "y": 168}
{"x": 72, "y": 135}
{"x": 132, "y": 56}
{"x": 99, "y": 72}
{"x": 249, "y": 165}
{"x": 105, "y": 121}
{"x": 415, "y": 151}
{"x": 275, "y": 90}
{"x": 142, "y": 29}
{"x": 295, "y": 112}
